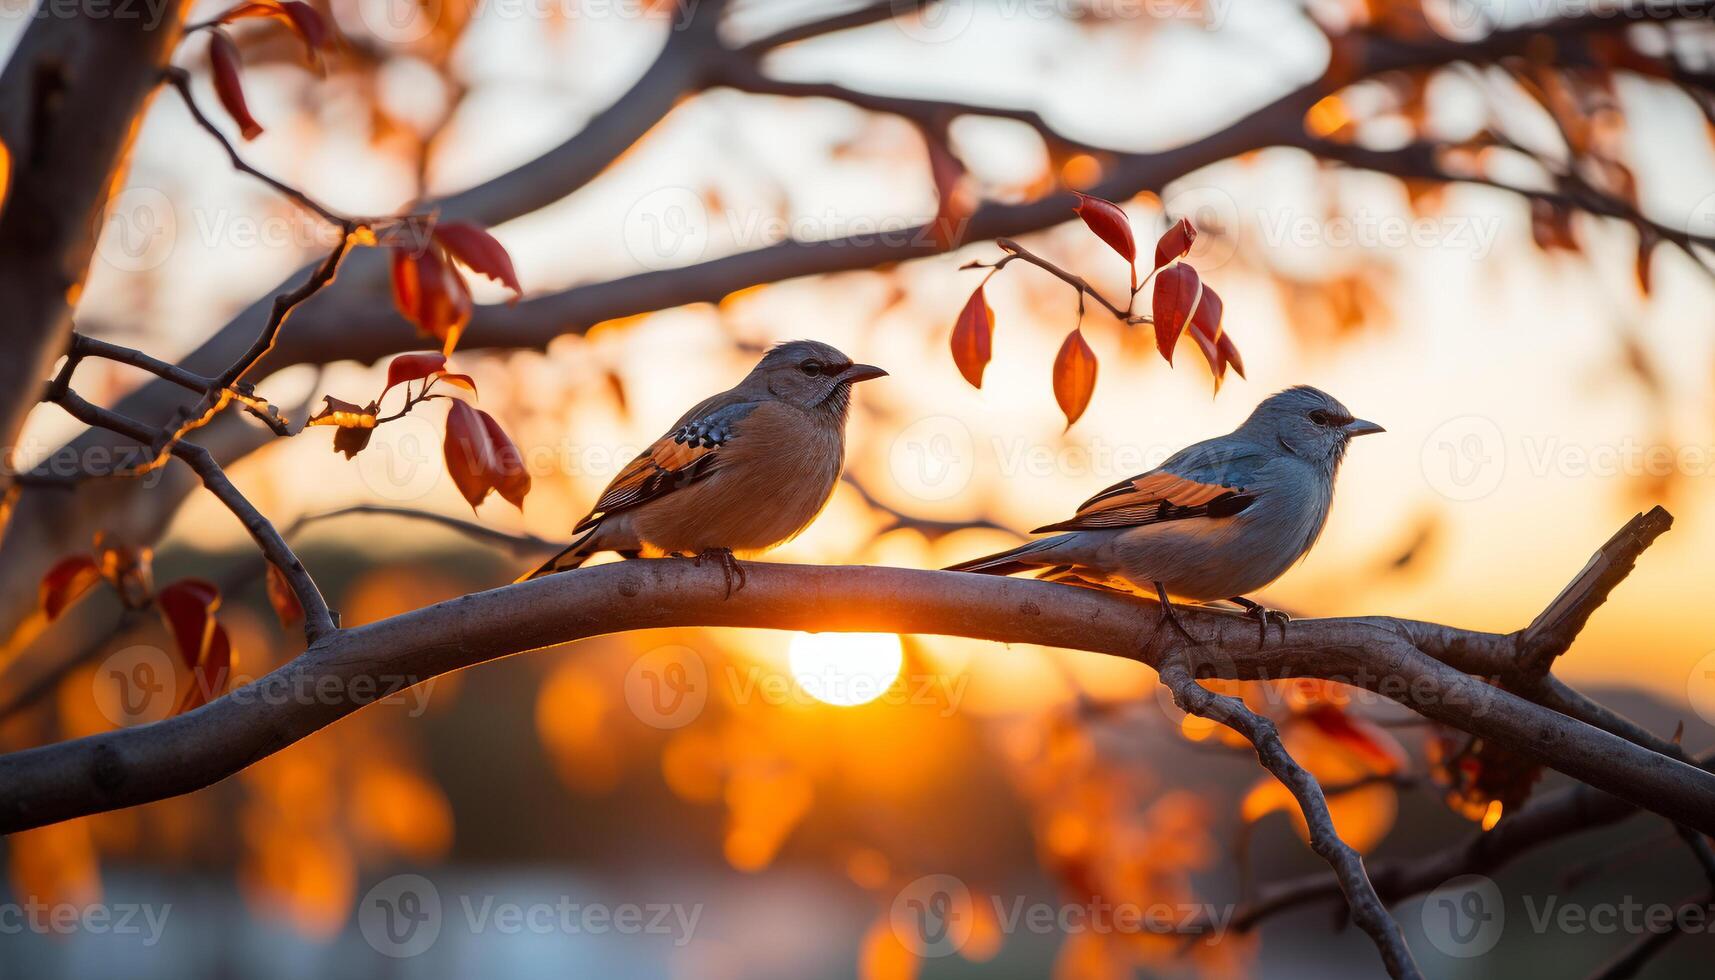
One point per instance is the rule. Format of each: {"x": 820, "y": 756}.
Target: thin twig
{"x": 1366, "y": 907}
{"x": 318, "y": 618}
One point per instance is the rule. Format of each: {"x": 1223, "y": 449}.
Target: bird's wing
{"x": 1208, "y": 480}
{"x": 688, "y": 453}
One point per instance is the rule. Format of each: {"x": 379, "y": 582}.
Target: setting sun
{"x": 845, "y": 668}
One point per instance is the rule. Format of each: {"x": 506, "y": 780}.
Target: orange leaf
{"x": 188, "y": 607}
{"x": 5, "y": 173}
{"x": 1367, "y": 740}
{"x": 973, "y": 338}
{"x": 129, "y": 570}
{"x": 1230, "y": 353}
{"x": 223, "y": 58}
{"x": 1110, "y": 225}
{"x": 471, "y": 460}
{"x": 511, "y": 479}
{"x": 356, "y": 424}
{"x": 213, "y": 671}
{"x": 282, "y": 598}
{"x": 431, "y": 294}
{"x": 301, "y": 18}
{"x": 413, "y": 367}
{"x": 66, "y": 582}
{"x": 464, "y": 381}
{"x": 1074, "y": 376}
{"x": 1177, "y": 292}
{"x": 477, "y": 249}
{"x": 1176, "y": 243}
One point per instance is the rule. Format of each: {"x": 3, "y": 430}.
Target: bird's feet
{"x": 730, "y": 567}
{"x": 1168, "y": 615}
{"x": 1263, "y": 614}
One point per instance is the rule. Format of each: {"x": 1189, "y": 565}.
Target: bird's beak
{"x": 861, "y": 372}
{"x": 1360, "y": 427}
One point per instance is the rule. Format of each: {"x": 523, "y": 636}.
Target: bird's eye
{"x": 1321, "y": 418}
{"x": 811, "y": 368}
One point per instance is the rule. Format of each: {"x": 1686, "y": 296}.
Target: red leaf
{"x": 477, "y": 249}
{"x": 1211, "y": 353}
{"x": 973, "y": 338}
{"x": 413, "y": 367}
{"x": 1207, "y": 319}
{"x": 471, "y": 460}
{"x": 188, "y": 607}
{"x": 431, "y": 294}
{"x": 282, "y": 598}
{"x": 66, "y": 582}
{"x": 1230, "y": 353}
{"x": 1177, "y": 292}
{"x": 308, "y": 23}
{"x": 213, "y": 671}
{"x": 356, "y": 423}
{"x": 1110, "y": 225}
{"x": 1074, "y": 376}
{"x": 1367, "y": 740}
{"x": 301, "y": 18}
{"x": 1176, "y": 243}
{"x": 223, "y": 58}
{"x": 511, "y": 479}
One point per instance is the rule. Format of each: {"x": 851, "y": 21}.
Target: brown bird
{"x": 743, "y": 471}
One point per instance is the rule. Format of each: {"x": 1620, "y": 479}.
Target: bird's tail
{"x": 1026, "y": 556}
{"x": 576, "y": 554}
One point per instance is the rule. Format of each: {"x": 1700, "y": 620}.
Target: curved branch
{"x": 1348, "y": 865}
{"x": 138, "y": 765}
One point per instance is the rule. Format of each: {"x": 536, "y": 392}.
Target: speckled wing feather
{"x": 688, "y": 453}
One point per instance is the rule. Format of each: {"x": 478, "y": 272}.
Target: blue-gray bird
{"x": 743, "y": 471}
{"x": 1217, "y": 520}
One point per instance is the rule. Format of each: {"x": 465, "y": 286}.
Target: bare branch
{"x": 1366, "y": 908}
{"x": 873, "y": 13}
{"x": 520, "y": 545}
{"x": 184, "y": 753}
{"x": 1552, "y": 633}
{"x": 318, "y": 619}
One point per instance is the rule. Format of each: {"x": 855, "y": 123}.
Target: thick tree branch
{"x": 1366, "y": 908}
{"x": 1382, "y": 655}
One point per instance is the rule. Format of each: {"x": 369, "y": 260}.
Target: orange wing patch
{"x": 663, "y": 467}
{"x": 1151, "y": 499}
